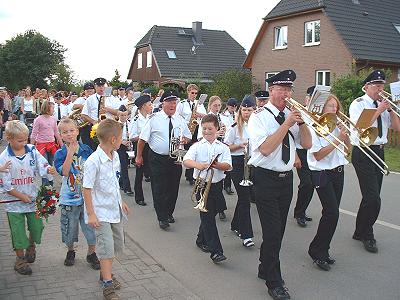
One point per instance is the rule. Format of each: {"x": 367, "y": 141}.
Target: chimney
{"x": 196, "y": 28}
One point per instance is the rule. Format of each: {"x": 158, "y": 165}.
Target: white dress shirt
{"x": 262, "y": 124}
{"x": 91, "y": 105}
{"x": 232, "y": 138}
{"x": 204, "y": 151}
{"x": 126, "y": 130}
{"x": 101, "y": 174}
{"x": 156, "y": 131}
{"x": 80, "y": 100}
{"x": 355, "y": 110}
{"x": 138, "y": 123}
{"x": 332, "y": 160}
{"x": 184, "y": 108}
{"x": 230, "y": 118}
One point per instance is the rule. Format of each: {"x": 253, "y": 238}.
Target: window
{"x": 312, "y": 33}
{"x": 149, "y": 59}
{"x": 323, "y": 78}
{"x": 269, "y": 75}
{"x": 139, "y": 60}
{"x": 397, "y": 26}
{"x": 171, "y": 54}
{"x": 281, "y": 37}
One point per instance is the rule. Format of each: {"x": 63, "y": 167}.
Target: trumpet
{"x": 388, "y": 97}
{"x": 202, "y": 187}
{"x": 76, "y": 116}
{"x": 322, "y": 125}
{"x": 365, "y": 138}
{"x": 176, "y": 149}
{"x": 246, "y": 168}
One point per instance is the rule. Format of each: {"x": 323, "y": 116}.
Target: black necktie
{"x": 59, "y": 111}
{"x": 170, "y": 128}
{"x": 285, "y": 142}
{"x": 191, "y": 106}
{"x": 379, "y": 119}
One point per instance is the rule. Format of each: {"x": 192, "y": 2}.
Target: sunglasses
{"x": 194, "y": 93}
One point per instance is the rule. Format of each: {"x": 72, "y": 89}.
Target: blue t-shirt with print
{"x": 71, "y": 187}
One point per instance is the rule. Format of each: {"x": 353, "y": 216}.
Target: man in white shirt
{"x": 272, "y": 130}
{"x": 369, "y": 175}
{"x": 160, "y": 132}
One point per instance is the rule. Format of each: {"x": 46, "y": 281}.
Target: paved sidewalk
{"x": 141, "y": 276}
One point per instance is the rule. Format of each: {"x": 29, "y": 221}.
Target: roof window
{"x": 397, "y": 26}
{"x": 171, "y": 54}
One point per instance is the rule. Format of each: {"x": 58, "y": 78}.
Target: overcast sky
{"x": 101, "y": 35}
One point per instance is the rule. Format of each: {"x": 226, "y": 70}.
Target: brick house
{"x": 176, "y": 54}
{"x": 321, "y": 39}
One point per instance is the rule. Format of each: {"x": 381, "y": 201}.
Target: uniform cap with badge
{"x": 232, "y": 102}
{"x": 169, "y": 95}
{"x": 142, "y": 100}
{"x": 248, "y": 101}
{"x": 88, "y": 86}
{"x": 100, "y": 81}
{"x": 286, "y": 77}
{"x": 377, "y": 76}
{"x": 261, "y": 95}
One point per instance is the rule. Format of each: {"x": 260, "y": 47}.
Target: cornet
{"x": 176, "y": 148}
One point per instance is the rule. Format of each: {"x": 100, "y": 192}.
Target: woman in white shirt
{"x": 326, "y": 163}
{"x": 28, "y": 105}
{"x": 237, "y": 138}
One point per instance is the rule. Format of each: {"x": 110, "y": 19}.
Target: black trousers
{"x": 305, "y": 188}
{"x": 370, "y": 181}
{"x": 85, "y": 136}
{"x": 189, "y": 172}
{"x": 138, "y": 188}
{"x": 330, "y": 194}
{"x": 124, "y": 182}
{"x": 241, "y": 219}
{"x": 273, "y": 193}
{"x": 165, "y": 178}
{"x": 208, "y": 232}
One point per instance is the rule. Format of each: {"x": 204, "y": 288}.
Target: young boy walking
{"x": 69, "y": 161}
{"x": 19, "y": 189}
{"x": 103, "y": 204}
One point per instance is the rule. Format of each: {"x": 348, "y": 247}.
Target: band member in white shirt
{"x": 369, "y": 175}
{"x": 159, "y": 132}
{"x": 272, "y": 129}
{"x": 326, "y": 163}
{"x": 230, "y": 110}
{"x": 261, "y": 98}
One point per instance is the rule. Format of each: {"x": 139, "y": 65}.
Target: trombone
{"x": 322, "y": 125}
{"x": 388, "y": 97}
{"x": 364, "y": 139}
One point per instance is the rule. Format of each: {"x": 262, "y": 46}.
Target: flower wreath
{"x": 46, "y": 201}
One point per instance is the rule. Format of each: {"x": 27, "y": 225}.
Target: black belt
{"x": 376, "y": 147}
{"x": 338, "y": 169}
{"x": 276, "y": 173}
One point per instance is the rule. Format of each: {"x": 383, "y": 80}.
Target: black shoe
{"x": 147, "y": 179}
{"x": 222, "y": 216}
{"x": 203, "y": 247}
{"x": 370, "y": 245}
{"x": 330, "y": 260}
{"x": 236, "y": 232}
{"x": 301, "y": 221}
{"x": 217, "y": 257}
{"x": 93, "y": 261}
{"x": 307, "y": 218}
{"x": 228, "y": 190}
{"x": 141, "y": 202}
{"x": 322, "y": 264}
{"x": 357, "y": 237}
{"x": 279, "y": 293}
{"x": 163, "y": 224}
{"x": 171, "y": 219}
{"x": 130, "y": 194}
{"x": 70, "y": 259}
{"x": 252, "y": 200}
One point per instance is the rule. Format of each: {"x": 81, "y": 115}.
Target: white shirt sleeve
{"x": 146, "y": 131}
{"x": 230, "y": 136}
{"x": 258, "y": 132}
{"x": 89, "y": 173}
{"x": 42, "y": 165}
{"x": 226, "y": 156}
{"x": 191, "y": 154}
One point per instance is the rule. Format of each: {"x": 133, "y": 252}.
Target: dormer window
{"x": 171, "y": 54}
{"x": 281, "y": 40}
{"x": 312, "y": 33}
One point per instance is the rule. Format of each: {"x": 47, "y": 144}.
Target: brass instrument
{"x": 176, "y": 149}
{"x": 388, "y": 97}
{"x": 202, "y": 187}
{"x": 193, "y": 122}
{"x": 102, "y": 105}
{"x": 322, "y": 125}
{"x": 76, "y": 116}
{"x": 246, "y": 168}
{"x": 365, "y": 138}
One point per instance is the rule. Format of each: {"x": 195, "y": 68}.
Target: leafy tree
{"x": 29, "y": 59}
{"x": 62, "y": 79}
{"x": 234, "y": 83}
{"x": 116, "y": 80}
{"x": 349, "y": 86}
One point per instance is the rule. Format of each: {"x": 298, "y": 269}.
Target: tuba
{"x": 176, "y": 148}
{"x": 246, "y": 172}
{"x": 76, "y": 116}
{"x": 202, "y": 187}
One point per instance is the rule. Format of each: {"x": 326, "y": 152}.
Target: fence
{"x": 393, "y": 138}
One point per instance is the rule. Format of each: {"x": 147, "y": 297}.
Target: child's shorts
{"x": 109, "y": 240}
{"x": 70, "y": 218}
{"x": 16, "y": 221}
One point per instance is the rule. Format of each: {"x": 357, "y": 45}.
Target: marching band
{"x": 254, "y": 143}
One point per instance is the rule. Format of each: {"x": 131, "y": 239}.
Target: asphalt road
{"x": 357, "y": 274}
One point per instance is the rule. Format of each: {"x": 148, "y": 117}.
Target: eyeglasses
{"x": 283, "y": 89}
